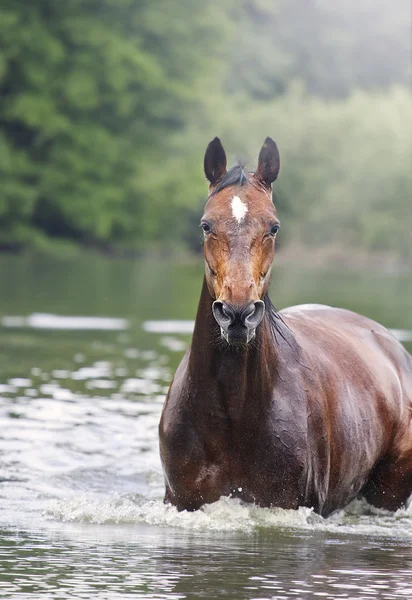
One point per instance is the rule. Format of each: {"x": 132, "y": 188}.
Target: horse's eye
{"x": 274, "y": 229}
{"x": 206, "y": 228}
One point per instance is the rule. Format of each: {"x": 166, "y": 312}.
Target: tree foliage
{"x": 93, "y": 93}
{"x": 107, "y": 106}
{"x": 331, "y": 47}
{"x": 346, "y": 172}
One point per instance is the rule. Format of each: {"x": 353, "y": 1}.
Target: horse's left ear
{"x": 268, "y": 163}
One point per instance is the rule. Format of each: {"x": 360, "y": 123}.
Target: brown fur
{"x": 312, "y": 415}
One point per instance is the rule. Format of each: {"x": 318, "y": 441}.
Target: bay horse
{"x": 310, "y": 406}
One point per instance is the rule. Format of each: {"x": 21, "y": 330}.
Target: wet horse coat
{"x": 311, "y": 406}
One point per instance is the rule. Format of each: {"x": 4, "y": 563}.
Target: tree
{"x": 95, "y": 95}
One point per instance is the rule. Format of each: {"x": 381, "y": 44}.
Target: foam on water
{"x": 230, "y": 515}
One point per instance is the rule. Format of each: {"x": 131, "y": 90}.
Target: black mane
{"x": 277, "y": 324}
{"x": 235, "y": 176}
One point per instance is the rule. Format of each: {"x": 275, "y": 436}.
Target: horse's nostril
{"x": 223, "y": 314}
{"x": 247, "y": 312}
{"x": 232, "y": 319}
{"x": 254, "y": 314}
{"x": 226, "y": 310}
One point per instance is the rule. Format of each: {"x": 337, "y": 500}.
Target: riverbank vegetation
{"x": 107, "y": 108}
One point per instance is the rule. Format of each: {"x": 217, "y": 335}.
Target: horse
{"x": 307, "y": 406}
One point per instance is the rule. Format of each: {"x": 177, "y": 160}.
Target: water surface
{"x": 87, "y": 351}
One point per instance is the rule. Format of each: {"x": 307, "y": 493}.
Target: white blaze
{"x": 239, "y": 209}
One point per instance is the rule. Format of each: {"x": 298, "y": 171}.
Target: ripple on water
{"x": 52, "y": 321}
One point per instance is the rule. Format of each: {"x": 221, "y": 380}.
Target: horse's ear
{"x": 268, "y": 163}
{"x": 215, "y": 161}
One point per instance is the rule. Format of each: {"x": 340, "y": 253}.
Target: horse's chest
{"x": 246, "y": 465}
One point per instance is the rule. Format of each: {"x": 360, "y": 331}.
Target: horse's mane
{"x": 277, "y": 324}
{"x": 235, "y": 176}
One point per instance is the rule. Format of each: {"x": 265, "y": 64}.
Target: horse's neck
{"x": 230, "y": 380}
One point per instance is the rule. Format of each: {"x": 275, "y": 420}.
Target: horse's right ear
{"x": 215, "y": 161}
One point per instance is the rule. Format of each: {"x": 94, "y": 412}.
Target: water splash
{"x": 230, "y": 515}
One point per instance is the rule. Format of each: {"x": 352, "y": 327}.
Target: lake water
{"x": 87, "y": 351}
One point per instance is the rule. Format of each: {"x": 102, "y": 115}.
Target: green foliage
{"x": 107, "y": 107}
{"x": 94, "y": 95}
{"x": 331, "y": 47}
{"x": 346, "y": 172}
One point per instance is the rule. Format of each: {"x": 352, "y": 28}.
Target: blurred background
{"x": 107, "y": 107}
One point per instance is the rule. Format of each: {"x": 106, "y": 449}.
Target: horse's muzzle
{"x": 238, "y": 324}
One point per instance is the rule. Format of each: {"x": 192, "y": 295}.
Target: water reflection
{"x": 165, "y": 564}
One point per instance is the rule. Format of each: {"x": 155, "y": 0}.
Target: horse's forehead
{"x": 239, "y": 206}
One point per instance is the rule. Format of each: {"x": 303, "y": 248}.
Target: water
{"x": 87, "y": 351}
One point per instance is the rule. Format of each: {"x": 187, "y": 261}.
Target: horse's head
{"x": 240, "y": 226}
